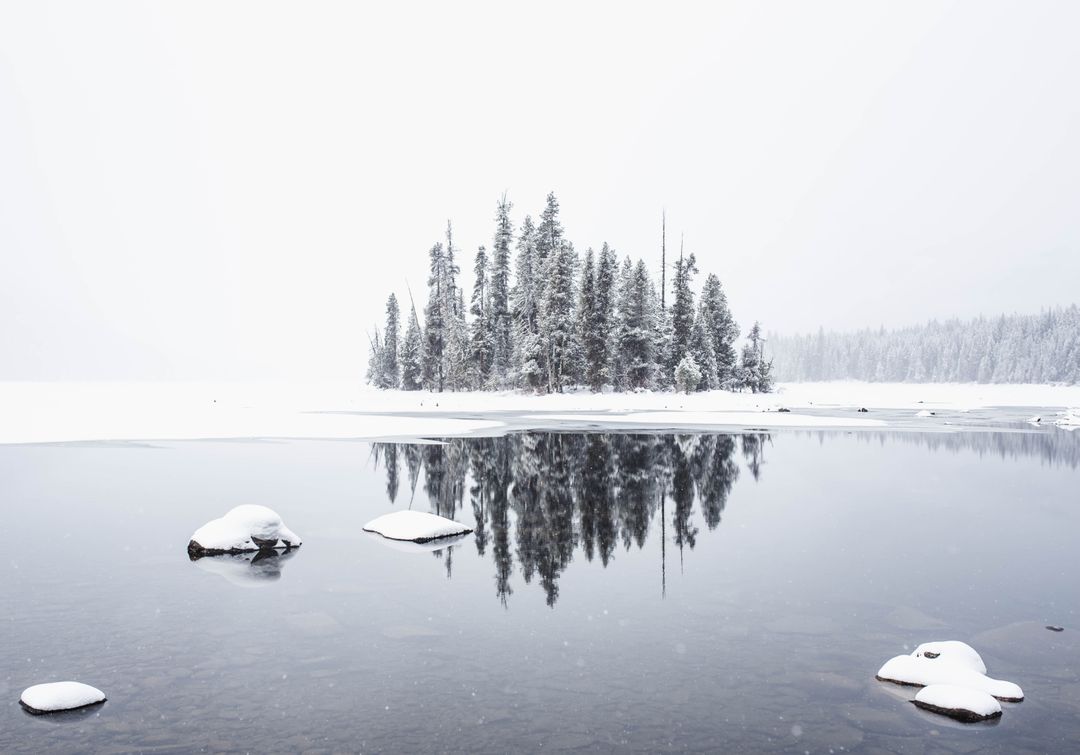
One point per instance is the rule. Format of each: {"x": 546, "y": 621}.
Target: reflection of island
{"x": 539, "y": 496}
{"x": 255, "y": 569}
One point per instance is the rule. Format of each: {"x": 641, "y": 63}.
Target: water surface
{"x": 620, "y": 592}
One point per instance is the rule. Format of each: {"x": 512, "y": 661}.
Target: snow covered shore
{"x": 71, "y": 412}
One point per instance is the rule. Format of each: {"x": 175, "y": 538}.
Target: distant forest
{"x": 1043, "y": 348}
{"x": 563, "y": 321}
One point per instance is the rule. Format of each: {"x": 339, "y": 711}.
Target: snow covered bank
{"x": 72, "y": 412}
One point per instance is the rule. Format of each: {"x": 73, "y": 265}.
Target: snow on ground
{"x": 415, "y": 526}
{"x": 243, "y": 529}
{"x": 56, "y": 696}
{"x": 72, "y": 412}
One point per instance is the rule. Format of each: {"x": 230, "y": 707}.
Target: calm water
{"x": 621, "y": 592}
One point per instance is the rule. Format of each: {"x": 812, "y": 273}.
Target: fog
{"x": 230, "y": 190}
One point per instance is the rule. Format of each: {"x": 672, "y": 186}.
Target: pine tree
{"x": 701, "y": 348}
{"x": 456, "y": 341}
{"x": 525, "y": 301}
{"x": 721, "y": 328}
{"x": 682, "y": 309}
{"x": 501, "y": 338}
{"x": 637, "y": 336}
{"x": 687, "y": 374}
{"x": 755, "y": 373}
{"x": 480, "y": 345}
{"x": 557, "y": 318}
{"x": 434, "y": 325}
{"x": 606, "y": 270}
{"x": 389, "y": 376}
{"x": 375, "y": 362}
{"x": 587, "y": 333}
{"x": 412, "y": 355}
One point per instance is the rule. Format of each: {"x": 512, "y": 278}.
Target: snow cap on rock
{"x": 57, "y": 696}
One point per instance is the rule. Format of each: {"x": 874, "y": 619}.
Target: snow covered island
{"x": 415, "y": 526}
{"x": 59, "y": 696}
{"x": 243, "y": 530}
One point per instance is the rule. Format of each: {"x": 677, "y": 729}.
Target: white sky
{"x": 230, "y": 190}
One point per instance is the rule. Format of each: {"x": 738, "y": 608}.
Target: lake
{"x": 621, "y": 592}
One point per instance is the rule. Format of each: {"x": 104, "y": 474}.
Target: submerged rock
{"x": 961, "y": 703}
{"x": 243, "y": 530}
{"x": 54, "y": 697}
{"x": 415, "y": 526}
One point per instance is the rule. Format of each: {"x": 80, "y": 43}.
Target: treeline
{"x": 1043, "y": 348}
{"x": 539, "y": 497}
{"x": 563, "y": 321}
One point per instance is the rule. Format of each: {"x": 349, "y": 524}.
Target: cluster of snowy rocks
{"x": 953, "y": 680}
{"x": 245, "y": 530}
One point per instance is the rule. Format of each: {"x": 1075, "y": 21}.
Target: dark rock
{"x": 863, "y": 410}
{"x": 959, "y": 714}
{"x": 1053, "y": 628}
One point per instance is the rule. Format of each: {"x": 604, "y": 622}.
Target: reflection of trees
{"x": 556, "y": 491}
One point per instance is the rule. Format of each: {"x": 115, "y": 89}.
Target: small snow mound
{"x": 924, "y": 413}
{"x": 242, "y": 530}
{"x": 924, "y": 671}
{"x": 952, "y": 651}
{"x": 1035, "y": 420}
{"x": 57, "y": 696}
{"x": 961, "y": 703}
{"x": 416, "y": 526}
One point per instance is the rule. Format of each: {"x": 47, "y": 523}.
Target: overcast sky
{"x": 230, "y": 190}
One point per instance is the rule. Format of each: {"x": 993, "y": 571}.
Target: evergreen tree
{"x": 682, "y": 309}
{"x": 390, "y": 376}
{"x": 375, "y": 362}
{"x": 525, "y": 300}
{"x": 588, "y": 335}
{"x": 687, "y": 374}
{"x": 434, "y": 324}
{"x": 755, "y": 371}
{"x": 701, "y": 349}
{"x": 480, "y": 346}
{"x": 637, "y": 302}
{"x": 456, "y": 340}
{"x": 604, "y": 317}
{"x": 412, "y": 355}
{"x": 501, "y": 338}
{"x": 721, "y": 329}
{"x": 557, "y": 318}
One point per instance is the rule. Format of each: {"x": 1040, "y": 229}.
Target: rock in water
{"x": 961, "y": 703}
{"x": 417, "y": 526}
{"x": 243, "y": 530}
{"x": 57, "y": 696}
{"x": 924, "y": 672}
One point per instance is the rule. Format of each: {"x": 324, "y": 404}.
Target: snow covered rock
{"x": 923, "y": 672}
{"x": 417, "y": 526}
{"x": 961, "y": 703}
{"x": 924, "y": 413}
{"x": 242, "y": 530}
{"x": 952, "y": 651}
{"x": 58, "y": 696}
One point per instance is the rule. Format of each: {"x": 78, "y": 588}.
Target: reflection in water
{"x": 255, "y": 569}
{"x": 538, "y": 497}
